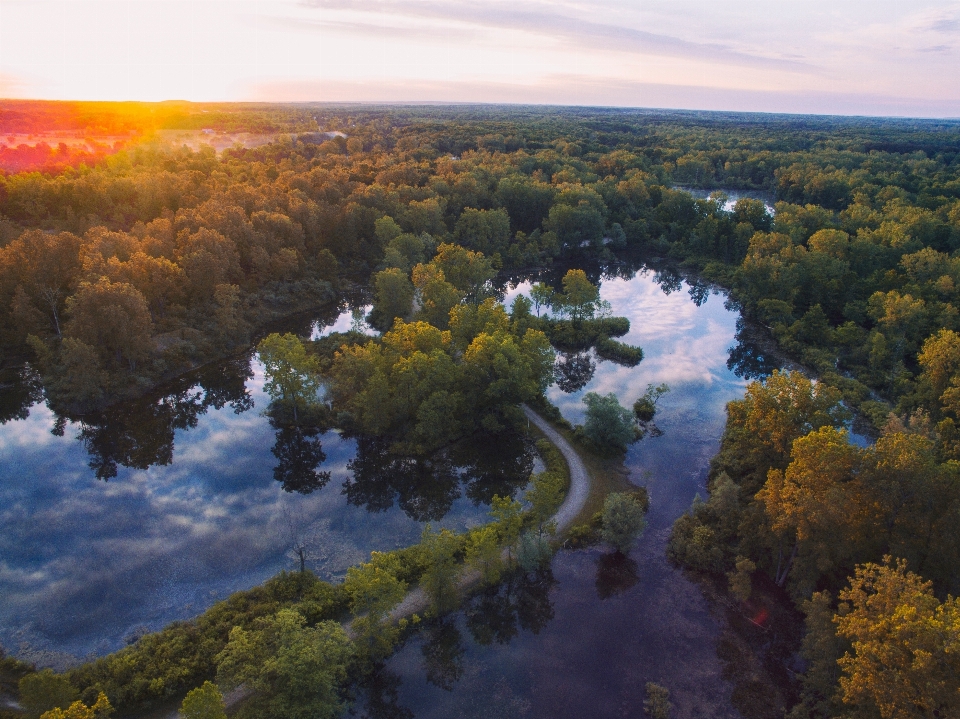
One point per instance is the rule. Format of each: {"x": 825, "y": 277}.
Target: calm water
{"x": 583, "y": 639}
{"x": 115, "y": 524}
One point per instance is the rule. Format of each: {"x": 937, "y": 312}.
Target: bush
{"x": 609, "y": 425}
{"x": 623, "y": 520}
{"x": 623, "y": 354}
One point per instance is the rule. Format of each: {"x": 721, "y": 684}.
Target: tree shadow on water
{"x": 299, "y": 452}
{"x": 426, "y": 487}
{"x": 443, "y": 655}
{"x": 616, "y": 573}
{"x": 573, "y": 371}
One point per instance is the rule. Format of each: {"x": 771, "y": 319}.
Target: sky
{"x": 851, "y": 57}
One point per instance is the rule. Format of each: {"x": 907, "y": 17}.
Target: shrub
{"x": 623, "y": 354}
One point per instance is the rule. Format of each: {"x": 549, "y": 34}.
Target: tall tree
{"x": 293, "y": 376}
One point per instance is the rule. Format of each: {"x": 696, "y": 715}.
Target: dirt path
{"x": 579, "y": 477}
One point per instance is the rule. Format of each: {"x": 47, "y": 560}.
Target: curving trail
{"x": 579, "y": 477}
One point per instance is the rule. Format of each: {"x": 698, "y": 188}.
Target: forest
{"x": 123, "y": 273}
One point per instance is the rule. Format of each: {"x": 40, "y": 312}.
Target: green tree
{"x": 534, "y": 551}
{"x": 44, "y": 690}
{"x": 468, "y": 271}
{"x": 608, "y": 424}
{"x": 393, "y": 297}
{"x": 486, "y": 231}
{"x": 374, "y": 590}
{"x": 294, "y": 671}
{"x": 113, "y": 317}
{"x": 740, "y": 580}
{"x": 293, "y": 376}
{"x": 441, "y": 572}
{"x": 483, "y": 553}
{"x": 542, "y": 296}
{"x": 508, "y": 514}
{"x": 545, "y": 497}
{"x": 623, "y": 520}
{"x": 580, "y": 295}
{"x": 204, "y": 702}
{"x": 657, "y": 704}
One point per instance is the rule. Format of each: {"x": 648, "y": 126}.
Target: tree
{"x": 542, "y": 296}
{"x": 623, "y": 520}
{"x": 657, "y": 704}
{"x": 374, "y": 590}
{"x": 486, "y": 231}
{"x": 468, "y": 271}
{"x": 609, "y": 424}
{"x": 580, "y": 295}
{"x": 483, "y": 553}
{"x": 101, "y": 709}
{"x": 293, "y": 670}
{"x": 817, "y": 505}
{"x": 441, "y": 572}
{"x": 204, "y": 702}
{"x": 545, "y": 497}
{"x": 741, "y": 585}
{"x": 112, "y": 317}
{"x": 508, "y": 514}
{"x": 393, "y": 297}
{"x": 435, "y": 295}
{"x": 903, "y": 662}
{"x": 292, "y": 375}
{"x": 44, "y": 690}
{"x": 534, "y": 551}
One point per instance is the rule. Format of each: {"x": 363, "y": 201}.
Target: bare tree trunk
{"x": 782, "y": 578}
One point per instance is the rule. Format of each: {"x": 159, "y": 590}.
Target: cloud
{"x": 393, "y": 18}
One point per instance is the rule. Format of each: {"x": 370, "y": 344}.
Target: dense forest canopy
{"x": 121, "y": 273}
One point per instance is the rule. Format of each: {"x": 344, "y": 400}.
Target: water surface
{"x": 583, "y": 639}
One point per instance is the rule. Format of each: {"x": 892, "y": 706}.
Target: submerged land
{"x": 400, "y": 291}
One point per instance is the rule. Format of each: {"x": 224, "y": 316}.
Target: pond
{"x": 116, "y": 524}
{"x": 584, "y": 638}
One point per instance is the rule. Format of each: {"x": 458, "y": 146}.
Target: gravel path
{"x": 579, "y": 477}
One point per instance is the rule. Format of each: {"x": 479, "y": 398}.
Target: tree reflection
{"x": 426, "y": 487}
{"x": 299, "y": 453}
{"x": 699, "y": 291}
{"x": 382, "y": 690}
{"x": 616, "y": 573}
{"x": 573, "y": 371}
{"x": 520, "y": 602}
{"x": 19, "y": 391}
{"x": 747, "y": 358}
{"x": 669, "y": 279}
{"x": 443, "y": 655}
{"x": 140, "y": 433}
